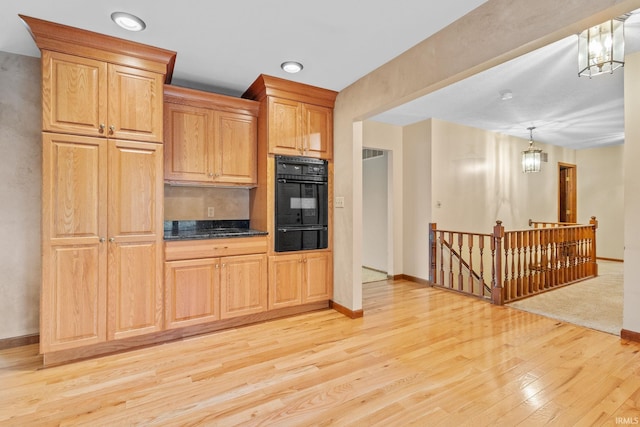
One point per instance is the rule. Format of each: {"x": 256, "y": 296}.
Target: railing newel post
{"x": 433, "y": 251}
{"x": 497, "y": 295}
{"x": 594, "y": 264}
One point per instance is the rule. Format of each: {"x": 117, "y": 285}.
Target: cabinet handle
{"x": 101, "y": 128}
{"x": 112, "y": 239}
{"x": 217, "y": 265}
{"x": 102, "y": 239}
{"x": 210, "y": 174}
{"x": 112, "y": 128}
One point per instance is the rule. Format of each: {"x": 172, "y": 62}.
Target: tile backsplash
{"x": 192, "y": 203}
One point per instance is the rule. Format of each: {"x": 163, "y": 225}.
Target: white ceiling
{"x": 223, "y": 47}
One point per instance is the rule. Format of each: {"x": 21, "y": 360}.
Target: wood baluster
{"x": 450, "y": 285}
{"x": 519, "y": 281}
{"x": 441, "y": 282}
{"x": 526, "y": 270}
{"x": 460, "y": 277}
{"x": 514, "y": 284}
{"x": 536, "y": 260}
{"x": 470, "y": 242}
{"x": 481, "y": 250}
{"x": 498, "y": 296}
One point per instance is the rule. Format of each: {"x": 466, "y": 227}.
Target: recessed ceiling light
{"x": 291, "y": 66}
{"x": 128, "y": 21}
{"x": 506, "y": 95}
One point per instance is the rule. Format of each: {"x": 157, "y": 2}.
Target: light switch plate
{"x": 339, "y": 202}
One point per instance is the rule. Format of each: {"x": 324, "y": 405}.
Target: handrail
{"x": 522, "y": 262}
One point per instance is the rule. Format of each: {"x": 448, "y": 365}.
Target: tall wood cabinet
{"x": 295, "y": 119}
{"x": 102, "y": 217}
{"x": 209, "y": 138}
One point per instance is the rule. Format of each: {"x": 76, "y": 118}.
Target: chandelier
{"x": 601, "y": 48}
{"x": 531, "y": 157}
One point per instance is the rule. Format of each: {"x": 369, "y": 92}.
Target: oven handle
{"x": 317, "y": 228}
{"x": 300, "y": 181}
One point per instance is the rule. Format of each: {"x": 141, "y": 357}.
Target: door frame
{"x": 572, "y": 199}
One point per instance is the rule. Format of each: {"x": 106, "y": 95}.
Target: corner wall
{"x": 20, "y": 192}
{"x": 631, "y": 314}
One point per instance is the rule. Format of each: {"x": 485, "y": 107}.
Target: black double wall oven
{"x": 301, "y": 196}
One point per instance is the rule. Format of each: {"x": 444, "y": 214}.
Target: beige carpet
{"x": 369, "y": 275}
{"x": 595, "y": 303}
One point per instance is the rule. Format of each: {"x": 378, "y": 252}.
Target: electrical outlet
{"x": 210, "y": 211}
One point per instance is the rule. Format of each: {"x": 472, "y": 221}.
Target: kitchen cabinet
{"x": 210, "y": 138}
{"x": 102, "y": 253}
{"x": 90, "y": 97}
{"x": 102, "y": 190}
{"x": 201, "y": 287}
{"x": 298, "y": 118}
{"x": 299, "y": 129}
{"x": 296, "y": 279}
{"x": 192, "y": 292}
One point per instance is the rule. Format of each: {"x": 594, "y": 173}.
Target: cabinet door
{"x": 235, "y": 150}
{"x": 317, "y": 131}
{"x": 74, "y": 94}
{"x": 285, "y": 127}
{"x": 188, "y": 143}
{"x": 135, "y": 104}
{"x": 243, "y": 285}
{"x": 285, "y": 281}
{"x": 74, "y": 201}
{"x": 318, "y": 277}
{"x": 135, "y": 222}
{"x": 192, "y": 292}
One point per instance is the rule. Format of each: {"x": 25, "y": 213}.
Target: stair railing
{"x": 521, "y": 262}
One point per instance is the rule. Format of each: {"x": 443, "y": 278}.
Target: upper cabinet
{"x": 102, "y": 86}
{"x": 210, "y": 138}
{"x": 298, "y": 117}
{"x": 94, "y": 98}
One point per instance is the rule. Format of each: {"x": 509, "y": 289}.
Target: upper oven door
{"x": 300, "y": 203}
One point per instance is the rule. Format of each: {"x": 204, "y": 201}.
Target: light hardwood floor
{"x": 420, "y": 356}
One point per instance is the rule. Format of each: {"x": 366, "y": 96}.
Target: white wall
{"x": 417, "y": 189}
{"x": 20, "y": 192}
{"x": 631, "y": 314}
{"x": 601, "y": 194}
{"x": 389, "y": 138}
{"x": 478, "y": 179}
{"x": 374, "y": 212}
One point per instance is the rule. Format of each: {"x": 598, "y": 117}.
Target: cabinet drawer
{"x": 209, "y": 248}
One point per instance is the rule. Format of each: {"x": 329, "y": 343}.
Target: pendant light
{"x": 601, "y": 48}
{"x": 531, "y": 157}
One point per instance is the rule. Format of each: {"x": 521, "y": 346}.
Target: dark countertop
{"x": 208, "y": 229}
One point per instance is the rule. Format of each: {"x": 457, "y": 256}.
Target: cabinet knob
{"x": 210, "y": 174}
{"x": 112, "y": 128}
{"x": 101, "y": 128}
{"x": 112, "y": 239}
{"x": 102, "y": 239}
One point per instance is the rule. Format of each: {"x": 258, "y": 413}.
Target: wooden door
{"x": 74, "y": 94}
{"x": 189, "y": 139}
{"x": 317, "y": 131}
{"x": 317, "y": 282}
{"x": 235, "y": 151}
{"x": 285, "y": 127}
{"x": 74, "y": 261}
{"x": 135, "y": 104}
{"x": 243, "y": 285}
{"x": 285, "y": 281}
{"x": 567, "y": 193}
{"x": 192, "y": 292}
{"x": 135, "y": 223}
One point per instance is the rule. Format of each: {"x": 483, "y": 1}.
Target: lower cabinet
{"x": 296, "y": 279}
{"x": 204, "y": 290}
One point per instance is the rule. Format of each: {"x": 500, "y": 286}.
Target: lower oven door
{"x": 301, "y": 239}
{"x": 301, "y": 204}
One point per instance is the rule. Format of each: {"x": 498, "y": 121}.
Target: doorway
{"x": 567, "y": 194}
{"x": 375, "y": 214}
